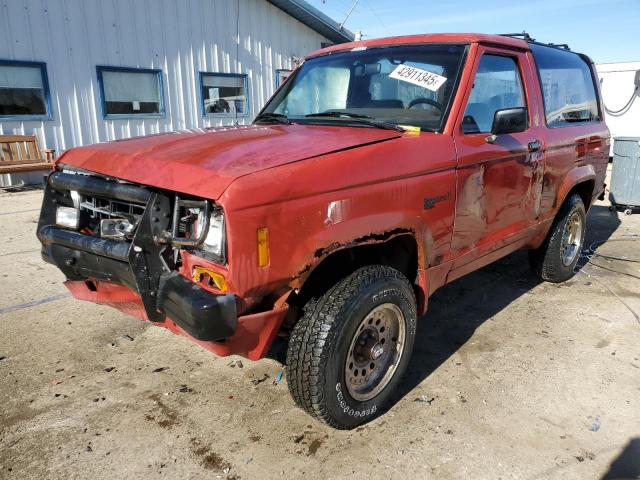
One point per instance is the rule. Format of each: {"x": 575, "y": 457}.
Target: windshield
{"x": 406, "y": 85}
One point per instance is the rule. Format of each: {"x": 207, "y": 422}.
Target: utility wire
{"x": 591, "y": 252}
{"x": 595, "y": 245}
{"x": 595, "y": 277}
{"x": 378, "y": 17}
{"x": 623, "y": 110}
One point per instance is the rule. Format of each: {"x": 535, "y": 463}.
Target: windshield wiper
{"x": 338, "y": 113}
{"x": 357, "y": 118}
{"x": 272, "y": 117}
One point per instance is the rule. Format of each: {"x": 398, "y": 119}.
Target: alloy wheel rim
{"x": 375, "y": 352}
{"x": 571, "y": 239}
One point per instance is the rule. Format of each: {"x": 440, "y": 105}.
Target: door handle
{"x": 534, "y": 146}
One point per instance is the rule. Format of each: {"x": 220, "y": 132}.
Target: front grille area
{"x": 132, "y": 235}
{"x": 124, "y": 216}
{"x": 115, "y": 210}
{"x": 101, "y": 208}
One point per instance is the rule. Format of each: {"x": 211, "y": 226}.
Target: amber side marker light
{"x": 263, "y": 247}
{"x": 202, "y": 274}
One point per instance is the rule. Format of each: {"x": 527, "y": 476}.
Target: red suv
{"x": 380, "y": 171}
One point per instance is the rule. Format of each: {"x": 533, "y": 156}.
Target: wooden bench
{"x": 20, "y": 153}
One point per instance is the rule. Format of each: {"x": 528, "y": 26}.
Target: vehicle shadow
{"x": 627, "y": 464}
{"x": 458, "y": 309}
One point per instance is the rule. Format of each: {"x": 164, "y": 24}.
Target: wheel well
{"x": 585, "y": 190}
{"x": 399, "y": 252}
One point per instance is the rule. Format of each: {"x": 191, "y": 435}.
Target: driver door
{"x": 499, "y": 178}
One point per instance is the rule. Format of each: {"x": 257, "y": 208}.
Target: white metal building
{"x": 620, "y": 96}
{"x": 77, "y": 72}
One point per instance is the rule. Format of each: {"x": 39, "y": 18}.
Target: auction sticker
{"x": 417, "y": 76}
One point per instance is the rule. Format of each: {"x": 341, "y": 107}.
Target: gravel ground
{"x": 511, "y": 378}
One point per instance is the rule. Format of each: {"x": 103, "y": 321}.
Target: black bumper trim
{"x": 98, "y": 186}
{"x": 79, "y": 265}
{"x": 201, "y": 314}
{"x": 99, "y": 246}
{"x": 140, "y": 265}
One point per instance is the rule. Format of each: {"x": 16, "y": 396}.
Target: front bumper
{"x": 143, "y": 264}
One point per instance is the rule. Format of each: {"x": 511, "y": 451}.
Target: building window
{"x": 281, "y": 76}
{"x": 24, "y": 91}
{"x": 224, "y": 94}
{"x": 130, "y": 92}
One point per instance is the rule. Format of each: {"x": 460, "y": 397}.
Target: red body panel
{"x": 319, "y": 189}
{"x": 499, "y": 184}
{"x": 204, "y": 163}
{"x": 252, "y": 339}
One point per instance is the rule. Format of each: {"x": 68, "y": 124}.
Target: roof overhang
{"x": 314, "y": 19}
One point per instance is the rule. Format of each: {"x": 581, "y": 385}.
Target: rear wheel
{"x": 348, "y": 351}
{"x": 555, "y": 261}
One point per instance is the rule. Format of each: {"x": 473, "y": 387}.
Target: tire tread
{"x": 316, "y": 330}
{"x": 545, "y": 262}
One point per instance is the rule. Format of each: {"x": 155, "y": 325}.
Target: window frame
{"x": 525, "y": 87}
{"x": 465, "y": 58}
{"x": 594, "y": 80}
{"x": 127, "y": 116}
{"x": 45, "y": 89}
{"x": 203, "y": 112}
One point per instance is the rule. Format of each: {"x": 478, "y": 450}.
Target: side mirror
{"x": 509, "y": 120}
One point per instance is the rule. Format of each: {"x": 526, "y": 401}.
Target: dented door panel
{"x": 499, "y": 181}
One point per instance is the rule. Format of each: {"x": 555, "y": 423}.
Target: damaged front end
{"x": 99, "y": 230}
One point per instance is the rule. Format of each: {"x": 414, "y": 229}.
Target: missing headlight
{"x": 197, "y": 225}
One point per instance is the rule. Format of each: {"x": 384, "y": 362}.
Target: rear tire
{"x": 555, "y": 261}
{"x": 349, "y": 350}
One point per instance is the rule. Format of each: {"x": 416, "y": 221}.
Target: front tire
{"x": 555, "y": 261}
{"x": 349, "y": 350}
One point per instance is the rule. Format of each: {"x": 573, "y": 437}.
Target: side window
{"x": 497, "y": 86}
{"x": 567, "y": 87}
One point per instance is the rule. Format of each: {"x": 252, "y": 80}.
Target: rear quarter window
{"x": 567, "y": 85}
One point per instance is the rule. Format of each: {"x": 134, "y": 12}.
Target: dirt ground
{"x": 511, "y": 378}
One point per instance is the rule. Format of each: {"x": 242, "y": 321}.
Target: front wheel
{"x": 350, "y": 348}
{"x": 555, "y": 261}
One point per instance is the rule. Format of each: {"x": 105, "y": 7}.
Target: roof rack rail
{"x": 527, "y": 38}
{"x": 564, "y": 46}
{"x": 524, "y": 35}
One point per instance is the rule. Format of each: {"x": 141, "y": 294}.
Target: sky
{"x": 606, "y": 30}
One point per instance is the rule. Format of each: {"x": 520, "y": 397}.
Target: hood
{"x": 205, "y": 162}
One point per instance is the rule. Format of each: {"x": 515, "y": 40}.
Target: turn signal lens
{"x": 202, "y": 274}
{"x": 263, "y": 247}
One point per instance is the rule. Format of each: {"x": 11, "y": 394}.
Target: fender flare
{"x": 575, "y": 176}
{"x": 373, "y": 238}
